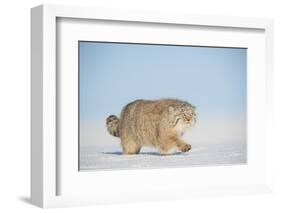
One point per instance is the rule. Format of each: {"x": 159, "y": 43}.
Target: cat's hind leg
{"x": 130, "y": 147}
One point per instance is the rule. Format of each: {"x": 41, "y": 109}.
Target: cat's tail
{"x": 112, "y": 124}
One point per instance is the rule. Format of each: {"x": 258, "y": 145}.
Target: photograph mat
{"x": 87, "y": 183}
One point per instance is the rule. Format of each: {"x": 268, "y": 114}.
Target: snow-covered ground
{"x": 201, "y": 154}
{"x": 217, "y": 140}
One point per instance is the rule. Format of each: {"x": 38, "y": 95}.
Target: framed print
{"x": 147, "y": 105}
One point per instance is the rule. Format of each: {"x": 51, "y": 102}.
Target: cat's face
{"x": 189, "y": 115}
{"x": 186, "y": 113}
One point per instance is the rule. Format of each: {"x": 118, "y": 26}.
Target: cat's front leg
{"x": 172, "y": 144}
{"x": 184, "y": 147}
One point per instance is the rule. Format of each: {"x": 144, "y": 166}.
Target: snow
{"x": 216, "y": 140}
{"x": 201, "y": 154}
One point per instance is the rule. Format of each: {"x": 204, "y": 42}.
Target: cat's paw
{"x": 186, "y": 148}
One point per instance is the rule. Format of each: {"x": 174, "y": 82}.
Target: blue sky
{"x": 113, "y": 74}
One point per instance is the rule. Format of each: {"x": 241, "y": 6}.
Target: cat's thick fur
{"x": 159, "y": 123}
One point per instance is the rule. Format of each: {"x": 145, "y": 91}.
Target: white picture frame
{"x": 46, "y": 168}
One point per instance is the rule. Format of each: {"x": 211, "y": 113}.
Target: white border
{"x": 43, "y": 191}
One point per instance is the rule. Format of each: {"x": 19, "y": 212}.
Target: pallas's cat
{"x": 159, "y": 123}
